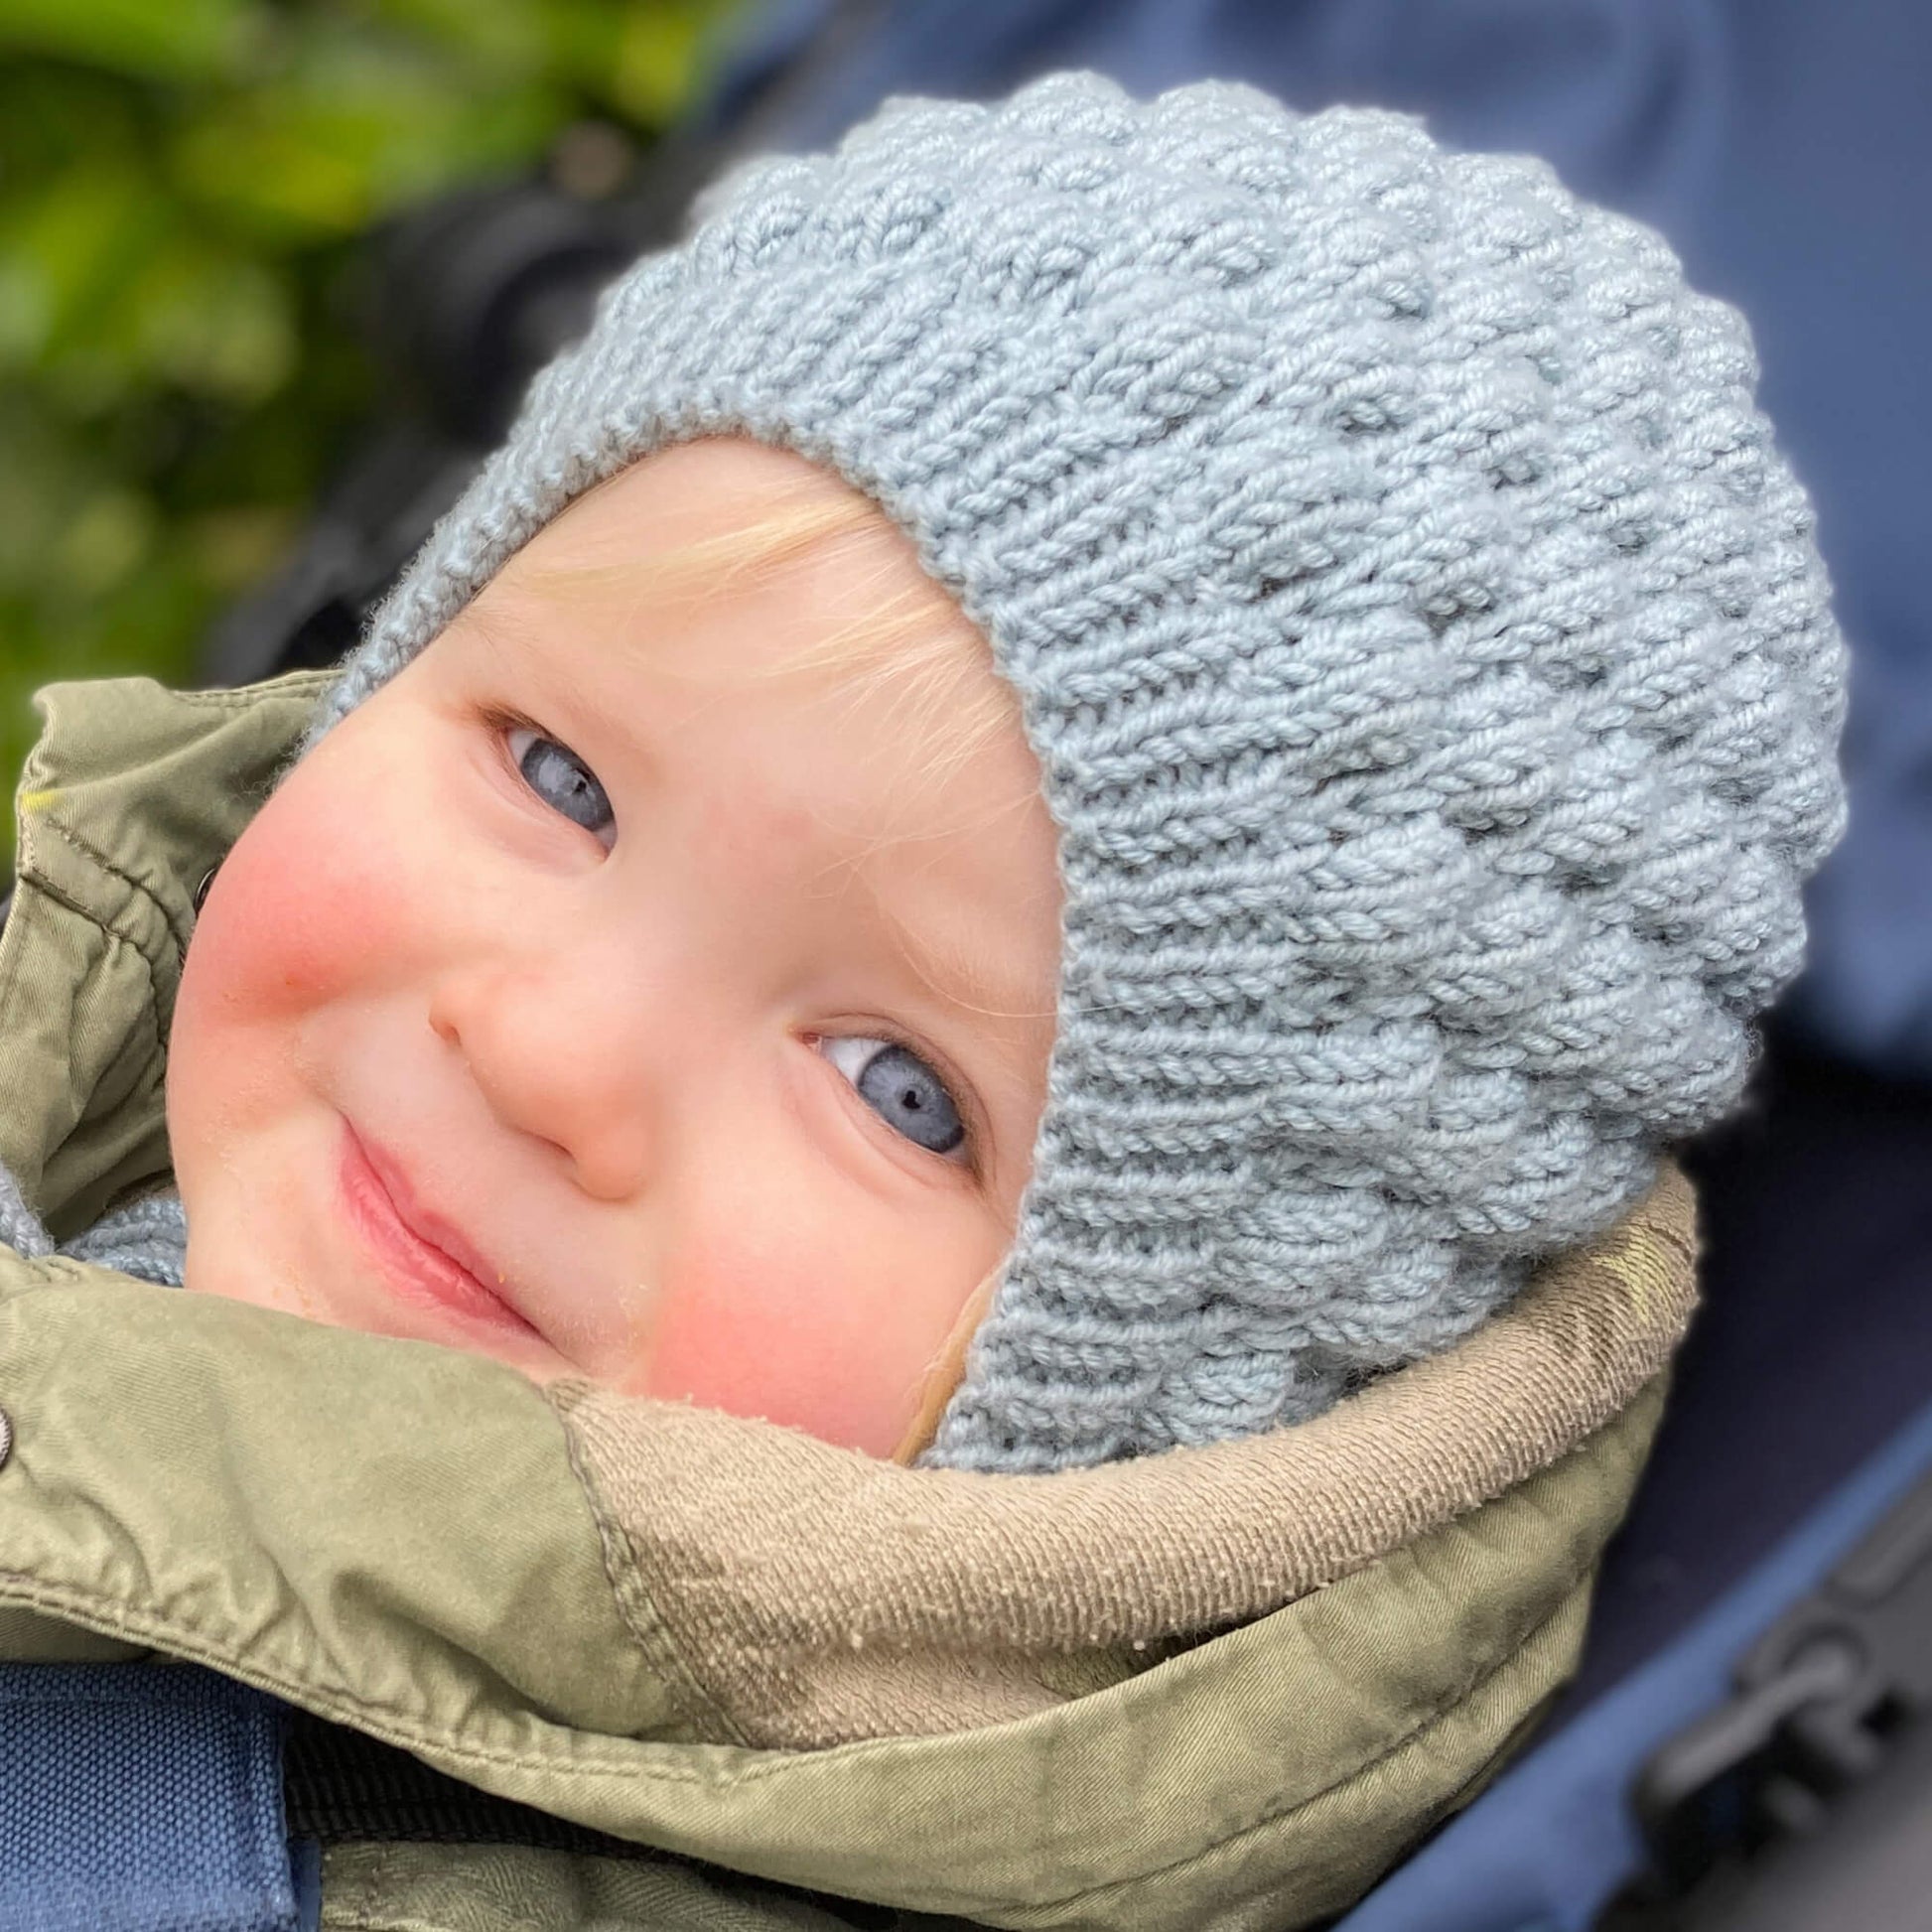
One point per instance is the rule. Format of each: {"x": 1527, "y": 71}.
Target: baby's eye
{"x": 901, "y": 1089}
{"x": 562, "y": 781}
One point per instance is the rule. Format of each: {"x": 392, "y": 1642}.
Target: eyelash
{"x": 965, "y": 1101}
{"x": 505, "y": 726}
{"x": 503, "y": 722}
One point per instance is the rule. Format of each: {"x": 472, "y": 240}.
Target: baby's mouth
{"x": 423, "y": 1259}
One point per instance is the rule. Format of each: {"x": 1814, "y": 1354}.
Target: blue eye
{"x": 562, "y": 781}
{"x": 901, "y": 1089}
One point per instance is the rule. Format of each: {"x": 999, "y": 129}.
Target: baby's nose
{"x": 551, "y": 1068}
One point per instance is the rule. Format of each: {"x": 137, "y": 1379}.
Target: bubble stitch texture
{"x": 1425, "y": 647}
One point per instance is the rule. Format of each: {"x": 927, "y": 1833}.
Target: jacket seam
{"x": 1092, "y": 1894}
{"x": 12, "y": 946}
{"x": 151, "y": 1005}
{"x": 67, "y": 902}
{"x": 1581, "y": 1578}
{"x": 621, "y": 1566}
{"x": 127, "y": 878}
{"x": 182, "y": 1638}
{"x": 247, "y": 697}
{"x": 1430, "y": 1721}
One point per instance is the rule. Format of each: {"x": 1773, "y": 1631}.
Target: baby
{"x": 1093, "y": 773}
{"x": 1161, "y": 740}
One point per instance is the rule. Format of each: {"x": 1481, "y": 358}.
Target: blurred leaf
{"x": 182, "y": 185}
{"x": 234, "y": 548}
{"x": 583, "y": 39}
{"x": 502, "y": 36}
{"x": 104, "y": 286}
{"x": 213, "y": 323}
{"x": 53, "y": 117}
{"x": 351, "y": 133}
{"x": 26, "y": 312}
{"x": 165, "y": 40}
{"x": 71, "y": 253}
{"x": 101, "y": 548}
{"x": 36, "y": 483}
{"x": 656, "y": 49}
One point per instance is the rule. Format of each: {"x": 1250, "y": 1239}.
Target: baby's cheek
{"x": 302, "y": 906}
{"x": 297, "y": 918}
{"x": 823, "y": 1348}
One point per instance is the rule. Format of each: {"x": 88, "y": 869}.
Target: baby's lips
{"x": 435, "y": 1230}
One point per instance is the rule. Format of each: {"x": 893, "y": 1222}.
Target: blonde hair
{"x": 915, "y": 643}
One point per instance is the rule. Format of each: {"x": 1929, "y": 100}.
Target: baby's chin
{"x": 262, "y": 1281}
{"x": 342, "y": 1296}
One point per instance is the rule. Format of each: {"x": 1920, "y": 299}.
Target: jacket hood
{"x": 1221, "y": 1687}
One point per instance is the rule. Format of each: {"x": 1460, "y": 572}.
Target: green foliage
{"x": 182, "y": 183}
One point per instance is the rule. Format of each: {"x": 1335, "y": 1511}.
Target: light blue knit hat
{"x": 1425, "y": 648}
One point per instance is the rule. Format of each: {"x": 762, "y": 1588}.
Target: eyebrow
{"x": 971, "y": 976}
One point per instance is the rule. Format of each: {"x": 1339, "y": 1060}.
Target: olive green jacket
{"x": 1214, "y": 1690}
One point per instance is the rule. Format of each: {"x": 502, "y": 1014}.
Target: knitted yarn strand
{"x": 146, "y": 1238}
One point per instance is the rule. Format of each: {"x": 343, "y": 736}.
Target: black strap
{"x": 342, "y": 1787}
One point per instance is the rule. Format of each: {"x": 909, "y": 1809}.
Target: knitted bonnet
{"x": 1426, "y": 652}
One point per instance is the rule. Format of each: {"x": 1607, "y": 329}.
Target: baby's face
{"x": 608, "y": 996}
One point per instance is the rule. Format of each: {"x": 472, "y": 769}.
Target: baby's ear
{"x": 947, "y": 1371}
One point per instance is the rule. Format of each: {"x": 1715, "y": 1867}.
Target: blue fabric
{"x": 1784, "y": 149}
{"x": 305, "y": 1859}
{"x": 1545, "y": 1847}
{"x": 141, "y": 1798}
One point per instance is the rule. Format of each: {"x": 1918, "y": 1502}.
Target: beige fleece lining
{"x": 821, "y": 1595}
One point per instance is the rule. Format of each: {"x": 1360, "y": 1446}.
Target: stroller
{"x": 1741, "y": 1746}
